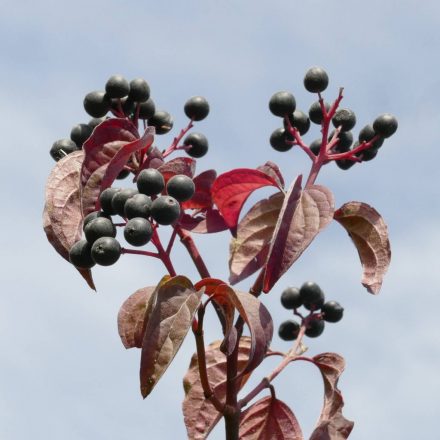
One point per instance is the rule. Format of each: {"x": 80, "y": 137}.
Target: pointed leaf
{"x": 332, "y": 425}
{"x": 179, "y": 165}
{"x": 231, "y": 190}
{"x": 249, "y": 250}
{"x": 202, "y": 196}
{"x": 207, "y": 222}
{"x": 199, "y": 413}
{"x": 303, "y": 215}
{"x": 269, "y": 419}
{"x": 272, "y": 170}
{"x": 133, "y": 318}
{"x": 369, "y": 233}
{"x": 62, "y": 217}
{"x": 154, "y": 159}
{"x": 175, "y": 302}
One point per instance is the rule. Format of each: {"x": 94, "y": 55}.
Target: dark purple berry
{"x": 137, "y": 206}
{"x": 315, "y": 328}
{"x": 80, "y": 133}
{"x": 181, "y": 187}
{"x": 344, "y": 143}
{"x": 99, "y": 227}
{"x": 385, "y": 125}
{"x": 119, "y": 199}
{"x": 123, "y": 174}
{"x": 279, "y": 140}
{"x": 315, "y": 112}
{"x": 139, "y": 90}
{"x": 105, "y": 200}
{"x": 316, "y": 80}
{"x": 290, "y": 298}
{"x": 138, "y": 231}
{"x": 117, "y": 87}
{"x": 315, "y": 146}
{"x": 199, "y": 144}
{"x": 97, "y": 104}
{"x": 162, "y": 121}
{"x": 165, "y": 210}
{"x": 150, "y": 182}
{"x": 300, "y": 121}
{"x": 289, "y": 330}
{"x": 332, "y": 311}
{"x": 345, "y": 164}
{"x": 282, "y": 104}
{"x": 80, "y": 254}
{"x": 106, "y": 251}
{"x": 344, "y": 118}
{"x": 311, "y": 295}
{"x": 61, "y": 148}
{"x": 196, "y": 108}
{"x": 94, "y": 122}
{"x": 95, "y": 214}
{"x": 147, "y": 109}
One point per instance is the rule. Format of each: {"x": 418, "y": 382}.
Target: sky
{"x": 64, "y": 372}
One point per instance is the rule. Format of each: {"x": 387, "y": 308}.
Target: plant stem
{"x": 162, "y": 253}
{"x": 188, "y": 242}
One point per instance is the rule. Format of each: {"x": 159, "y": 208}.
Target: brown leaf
{"x": 369, "y": 233}
{"x": 200, "y": 414}
{"x": 249, "y": 250}
{"x": 269, "y": 419}
{"x": 272, "y": 170}
{"x": 133, "y": 318}
{"x": 174, "y": 303}
{"x": 62, "y": 218}
{"x": 303, "y": 215}
{"x": 332, "y": 425}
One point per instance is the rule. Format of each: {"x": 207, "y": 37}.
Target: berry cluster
{"x": 132, "y": 100}
{"x": 338, "y": 145}
{"x": 312, "y": 298}
{"x": 153, "y": 203}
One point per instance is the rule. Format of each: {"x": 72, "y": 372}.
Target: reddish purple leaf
{"x": 272, "y": 170}
{"x": 248, "y": 252}
{"x": 179, "y": 165}
{"x": 199, "y": 413}
{"x": 303, "y": 215}
{"x": 174, "y": 303}
{"x": 370, "y": 236}
{"x": 106, "y": 140}
{"x": 231, "y": 190}
{"x": 202, "y": 198}
{"x": 133, "y": 317}
{"x": 269, "y": 419}
{"x": 62, "y": 217}
{"x": 154, "y": 159}
{"x": 332, "y": 425}
{"x": 91, "y": 190}
{"x": 206, "y": 222}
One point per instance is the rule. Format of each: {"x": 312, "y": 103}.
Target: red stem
{"x": 177, "y": 139}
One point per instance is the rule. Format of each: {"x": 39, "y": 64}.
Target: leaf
{"x": 272, "y": 170}
{"x": 62, "y": 217}
{"x": 332, "y": 425}
{"x": 207, "y": 222}
{"x": 175, "y": 302}
{"x": 154, "y": 159}
{"x": 202, "y": 196}
{"x": 106, "y": 140}
{"x": 231, "y": 190}
{"x": 369, "y": 233}
{"x": 199, "y": 413}
{"x": 269, "y": 419}
{"x": 179, "y": 165}
{"x": 303, "y": 215}
{"x": 133, "y": 318}
{"x": 249, "y": 250}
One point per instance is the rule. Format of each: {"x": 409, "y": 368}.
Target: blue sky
{"x": 64, "y": 371}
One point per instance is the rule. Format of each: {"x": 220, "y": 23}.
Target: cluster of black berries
{"x": 141, "y": 207}
{"x": 132, "y": 100}
{"x": 312, "y": 298}
{"x": 283, "y": 104}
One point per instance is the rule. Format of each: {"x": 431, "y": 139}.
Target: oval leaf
{"x": 132, "y": 319}
{"x": 269, "y": 419}
{"x": 303, "y": 215}
{"x": 332, "y": 425}
{"x": 369, "y": 233}
{"x": 231, "y": 190}
{"x": 199, "y": 413}
{"x": 249, "y": 250}
{"x": 272, "y": 170}
{"x": 175, "y": 302}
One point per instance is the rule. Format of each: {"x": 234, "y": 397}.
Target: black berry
{"x": 147, "y": 109}
{"x": 315, "y": 112}
{"x": 344, "y": 143}
{"x": 300, "y": 121}
{"x": 99, "y": 227}
{"x": 80, "y": 254}
{"x": 117, "y": 87}
{"x": 315, "y": 146}
{"x": 332, "y": 311}
{"x": 95, "y": 214}
{"x": 106, "y": 251}
{"x": 138, "y": 231}
{"x": 344, "y": 118}
{"x": 316, "y": 80}
{"x": 279, "y": 138}
{"x": 123, "y": 174}
{"x": 150, "y": 182}
{"x": 181, "y": 187}
{"x": 385, "y": 125}
{"x": 282, "y": 104}
{"x": 165, "y": 210}
{"x": 345, "y": 164}
{"x": 289, "y": 330}
{"x": 61, "y": 148}
{"x": 139, "y": 90}
{"x": 162, "y": 121}
{"x": 315, "y": 328}
{"x": 119, "y": 199}
{"x": 97, "y": 104}
{"x": 128, "y": 106}
{"x": 290, "y": 298}
{"x": 137, "y": 206}
{"x": 80, "y": 133}
{"x": 311, "y": 295}
{"x": 94, "y": 122}
{"x": 105, "y": 200}
{"x": 196, "y": 108}
{"x": 199, "y": 144}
